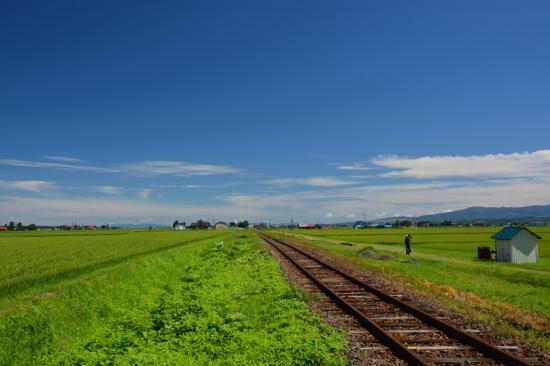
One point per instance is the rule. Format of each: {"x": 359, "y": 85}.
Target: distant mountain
{"x": 532, "y": 213}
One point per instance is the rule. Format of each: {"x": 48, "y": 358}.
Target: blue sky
{"x": 143, "y": 112}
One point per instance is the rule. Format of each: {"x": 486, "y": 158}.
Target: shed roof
{"x": 509, "y": 232}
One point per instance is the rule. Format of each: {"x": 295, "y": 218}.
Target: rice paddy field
{"x": 153, "y": 297}
{"x": 117, "y": 297}
{"x": 31, "y": 260}
{"x": 513, "y": 297}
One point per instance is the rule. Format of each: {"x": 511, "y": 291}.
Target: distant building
{"x": 220, "y": 225}
{"x": 3, "y": 228}
{"x": 306, "y": 226}
{"x": 180, "y": 226}
{"x": 516, "y": 245}
{"x": 360, "y": 225}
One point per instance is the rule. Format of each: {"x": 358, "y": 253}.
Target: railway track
{"x": 414, "y": 335}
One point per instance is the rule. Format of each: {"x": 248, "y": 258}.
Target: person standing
{"x": 408, "y": 242}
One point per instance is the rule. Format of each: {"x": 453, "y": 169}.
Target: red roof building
{"x": 3, "y": 228}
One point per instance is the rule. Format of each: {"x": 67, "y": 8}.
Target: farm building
{"x": 3, "y": 228}
{"x": 306, "y": 226}
{"x": 516, "y": 245}
{"x": 220, "y": 225}
{"x": 180, "y": 226}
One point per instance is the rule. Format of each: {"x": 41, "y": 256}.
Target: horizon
{"x": 325, "y": 222}
{"x": 147, "y": 113}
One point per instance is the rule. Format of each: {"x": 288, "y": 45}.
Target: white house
{"x": 220, "y": 225}
{"x": 180, "y": 227}
{"x": 516, "y": 245}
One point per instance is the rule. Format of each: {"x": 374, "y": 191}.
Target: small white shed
{"x": 516, "y": 245}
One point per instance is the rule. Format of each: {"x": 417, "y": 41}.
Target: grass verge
{"x": 192, "y": 305}
{"x": 517, "y": 302}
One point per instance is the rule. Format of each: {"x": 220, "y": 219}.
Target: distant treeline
{"x": 204, "y": 224}
{"x": 12, "y": 226}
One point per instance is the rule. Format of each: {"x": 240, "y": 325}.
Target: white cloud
{"x": 516, "y": 179}
{"x": 27, "y": 185}
{"x": 355, "y": 166}
{"x": 144, "y": 193}
{"x": 149, "y": 168}
{"x": 534, "y": 164}
{"x": 98, "y": 210}
{"x": 177, "y": 168}
{"x": 109, "y": 190}
{"x": 364, "y": 176}
{"x": 196, "y": 186}
{"x": 382, "y": 201}
{"x": 50, "y": 165}
{"x": 376, "y": 200}
{"x": 63, "y": 158}
{"x": 314, "y": 181}
{"x": 265, "y": 201}
{"x": 406, "y": 199}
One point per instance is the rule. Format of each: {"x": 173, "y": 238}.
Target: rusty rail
{"x": 385, "y": 337}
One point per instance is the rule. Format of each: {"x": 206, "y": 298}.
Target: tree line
{"x": 203, "y": 224}
{"x": 12, "y": 226}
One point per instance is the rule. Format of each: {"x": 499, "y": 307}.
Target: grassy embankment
{"x": 153, "y": 298}
{"x": 515, "y": 297}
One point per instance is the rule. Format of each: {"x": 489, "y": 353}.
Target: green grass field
{"x": 444, "y": 263}
{"x": 31, "y": 260}
{"x": 459, "y": 242}
{"x": 148, "y": 298}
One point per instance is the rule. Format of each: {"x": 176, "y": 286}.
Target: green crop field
{"x": 172, "y": 297}
{"x": 153, "y": 297}
{"x": 444, "y": 264}
{"x": 453, "y": 242}
{"x": 32, "y": 260}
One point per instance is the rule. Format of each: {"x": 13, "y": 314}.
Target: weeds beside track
{"x": 382, "y": 314}
{"x": 189, "y": 305}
